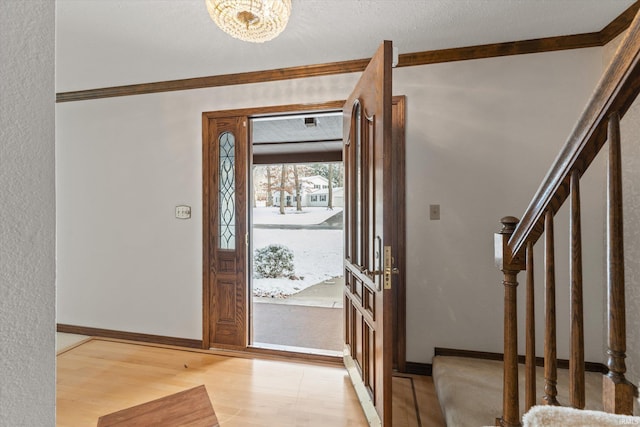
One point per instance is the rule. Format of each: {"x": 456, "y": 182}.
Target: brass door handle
{"x": 372, "y": 274}
{"x": 389, "y": 271}
{"x": 386, "y": 272}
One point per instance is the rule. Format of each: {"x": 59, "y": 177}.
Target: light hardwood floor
{"x": 101, "y": 376}
{"x": 415, "y": 403}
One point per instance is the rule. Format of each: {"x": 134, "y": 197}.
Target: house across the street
{"x": 314, "y": 191}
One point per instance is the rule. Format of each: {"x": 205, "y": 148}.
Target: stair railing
{"x": 599, "y": 123}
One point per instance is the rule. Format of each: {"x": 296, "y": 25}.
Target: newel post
{"x": 510, "y": 267}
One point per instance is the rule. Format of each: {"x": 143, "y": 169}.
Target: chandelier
{"x": 254, "y": 21}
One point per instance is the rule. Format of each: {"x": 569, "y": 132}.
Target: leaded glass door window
{"x": 227, "y": 191}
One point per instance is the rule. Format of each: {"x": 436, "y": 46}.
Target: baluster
{"x": 617, "y": 391}
{"x": 530, "y": 356}
{"x": 576, "y": 359}
{"x": 510, "y": 269}
{"x": 550, "y": 359}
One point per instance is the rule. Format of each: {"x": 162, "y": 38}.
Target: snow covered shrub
{"x": 274, "y": 261}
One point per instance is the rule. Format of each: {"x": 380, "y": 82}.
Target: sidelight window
{"x": 227, "y": 196}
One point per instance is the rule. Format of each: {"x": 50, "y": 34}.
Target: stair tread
{"x": 470, "y": 390}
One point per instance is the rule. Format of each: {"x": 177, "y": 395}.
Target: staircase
{"x": 475, "y": 392}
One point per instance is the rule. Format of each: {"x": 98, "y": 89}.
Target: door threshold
{"x": 307, "y": 353}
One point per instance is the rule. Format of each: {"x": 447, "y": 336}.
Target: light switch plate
{"x": 183, "y": 212}
{"x": 434, "y": 212}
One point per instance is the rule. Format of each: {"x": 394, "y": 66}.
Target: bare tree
{"x": 297, "y": 185}
{"x": 269, "y": 186}
{"x": 282, "y": 183}
{"x": 253, "y": 192}
{"x": 330, "y": 201}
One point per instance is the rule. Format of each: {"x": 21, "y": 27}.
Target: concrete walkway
{"x": 312, "y": 318}
{"x": 298, "y": 326}
{"x": 325, "y": 294}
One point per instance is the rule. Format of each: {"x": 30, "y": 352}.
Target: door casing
{"x": 208, "y": 251}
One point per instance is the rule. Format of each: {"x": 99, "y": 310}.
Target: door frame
{"x": 208, "y": 168}
{"x": 399, "y": 236}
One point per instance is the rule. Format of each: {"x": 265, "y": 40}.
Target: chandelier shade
{"x": 254, "y": 21}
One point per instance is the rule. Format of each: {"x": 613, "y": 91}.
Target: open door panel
{"x": 368, "y": 158}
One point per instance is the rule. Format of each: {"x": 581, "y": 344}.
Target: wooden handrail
{"x": 616, "y": 91}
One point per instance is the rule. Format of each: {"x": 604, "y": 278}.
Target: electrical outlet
{"x": 434, "y": 212}
{"x": 183, "y": 212}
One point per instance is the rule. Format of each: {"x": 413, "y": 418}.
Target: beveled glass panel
{"x": 358, "y": 193}
{"x": 227, "y": 191}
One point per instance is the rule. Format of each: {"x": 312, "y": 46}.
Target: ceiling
{"x": 320, "y": 127}
{"x": 276, "y": 136}
{"x": 102, "y": 43}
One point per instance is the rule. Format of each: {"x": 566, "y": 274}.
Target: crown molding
{"x": 548, "y": 44}
{"x": 620, "y": 24}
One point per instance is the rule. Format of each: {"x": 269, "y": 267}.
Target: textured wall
{"x": 630, "y": 130}
{"x": 27, "y": 214}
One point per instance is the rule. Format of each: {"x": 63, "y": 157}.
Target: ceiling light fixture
{"x": 254, "y": 21}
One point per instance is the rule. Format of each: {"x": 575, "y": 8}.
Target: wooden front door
{"x": 368, "y": 159}
{"x": 225, "y": 231}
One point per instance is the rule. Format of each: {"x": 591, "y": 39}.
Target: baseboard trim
{"x": 562, "y": 363}
{"x": 416, "y": 368}
{"x": 130, "y": 336}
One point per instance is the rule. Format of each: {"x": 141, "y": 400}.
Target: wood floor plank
{"x": 428, "y": 404}
{"x": 404, "y": 410}
{"x": 415, "y": 402}
{"x": 101, "y": 377}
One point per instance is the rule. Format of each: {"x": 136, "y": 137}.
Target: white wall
{"x": 27, "y": 214}
{"x": 124, "y": 261}
{"x": 480, "y": 136}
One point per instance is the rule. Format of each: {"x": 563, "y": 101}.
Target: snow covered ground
{"x": 318, "y": 254}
